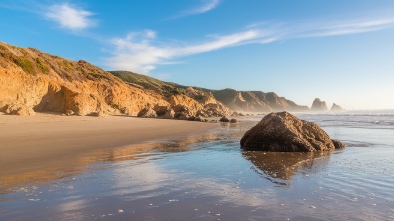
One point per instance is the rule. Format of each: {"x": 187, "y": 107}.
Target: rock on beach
{"x": 283, "y": 132}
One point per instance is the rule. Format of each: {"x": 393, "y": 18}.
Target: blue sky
{"x": 338, "y": 50}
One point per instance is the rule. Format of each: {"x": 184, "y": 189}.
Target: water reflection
{"x": 281, "y": 165}
{"x": 80, "y": 163}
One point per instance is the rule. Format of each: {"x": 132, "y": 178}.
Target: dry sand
{"x": 37, "y": 147}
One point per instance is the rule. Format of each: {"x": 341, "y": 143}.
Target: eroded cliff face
{"x": 32, "y": 81}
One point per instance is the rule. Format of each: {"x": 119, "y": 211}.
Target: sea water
{"x": 216, "y": 180}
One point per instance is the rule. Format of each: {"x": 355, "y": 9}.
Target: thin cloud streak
{"x": 70, "y": 17}
{"x": 141, "y": 52}
{"x": 208, "y": 6}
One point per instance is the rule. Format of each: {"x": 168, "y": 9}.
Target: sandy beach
{"x": 37, "y": 147}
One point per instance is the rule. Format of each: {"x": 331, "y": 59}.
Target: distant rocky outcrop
{"x": 283, "y": 132}
{"x": 319, "y": 105}
{"x": 335, "y": 107}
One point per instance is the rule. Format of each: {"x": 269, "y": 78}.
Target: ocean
{"x": 211, "y": 178}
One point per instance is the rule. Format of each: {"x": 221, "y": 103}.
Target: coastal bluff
{"x": 33, "y": 81}
{"x": 283, "y": 132}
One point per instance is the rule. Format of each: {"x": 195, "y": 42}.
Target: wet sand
{"x": 35, "y": 146}
{"x": 208, "y": 177}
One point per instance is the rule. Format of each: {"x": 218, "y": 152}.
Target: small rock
{"x": 338, "y": 144}
{"x": 233, "y": 120}
{"x": 224, "y": 119}
{"x": 69, "y": 112}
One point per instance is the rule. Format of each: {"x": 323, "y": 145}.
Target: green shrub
{"x": 199, "y": 97}
{"x": 25, "y": 64}
{"x": 43, "y": 68}
{"x": 177, "y": 91}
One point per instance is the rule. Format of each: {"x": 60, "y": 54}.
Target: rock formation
{"x": 319, "y": 105}
{"x": 283, "y": 132}
{"x": 147, "y": 113}
{"x": 335, "y": 107}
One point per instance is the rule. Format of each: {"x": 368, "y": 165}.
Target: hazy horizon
{"x": 338, "y": 51}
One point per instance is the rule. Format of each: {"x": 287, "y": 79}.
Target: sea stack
{"x": 319, "y": 105}
{"x": 335, "y": 107}
{"x": 283, "y": 132}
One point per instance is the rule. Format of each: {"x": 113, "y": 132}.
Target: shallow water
{"x": 214, "y": 180}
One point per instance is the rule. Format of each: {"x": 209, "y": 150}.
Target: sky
{"x": 340, "y": 51}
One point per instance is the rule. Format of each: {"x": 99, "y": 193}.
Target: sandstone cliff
{"x": 39, "y": 82}
{"x": 32, "y": 81}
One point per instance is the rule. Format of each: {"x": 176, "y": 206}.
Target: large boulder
{"x": 283, "y": 132}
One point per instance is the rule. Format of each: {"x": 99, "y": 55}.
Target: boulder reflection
{"x": 284, "y": 165}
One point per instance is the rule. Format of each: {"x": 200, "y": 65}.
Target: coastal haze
{"x": 181, "y": 110}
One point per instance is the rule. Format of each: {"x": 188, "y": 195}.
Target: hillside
{"x": 240, "y": 101}
{"x": 142, "y": 81}
{"x": 32, "y": 81}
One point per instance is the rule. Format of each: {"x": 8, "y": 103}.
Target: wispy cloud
{"x": 208, "y": 5}
{"x": 70, "y": 17}
{"x": 352, "y": 27}
{"x": 142, "y": 52}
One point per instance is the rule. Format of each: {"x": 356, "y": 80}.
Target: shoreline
{"x": 36, "y": 147}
